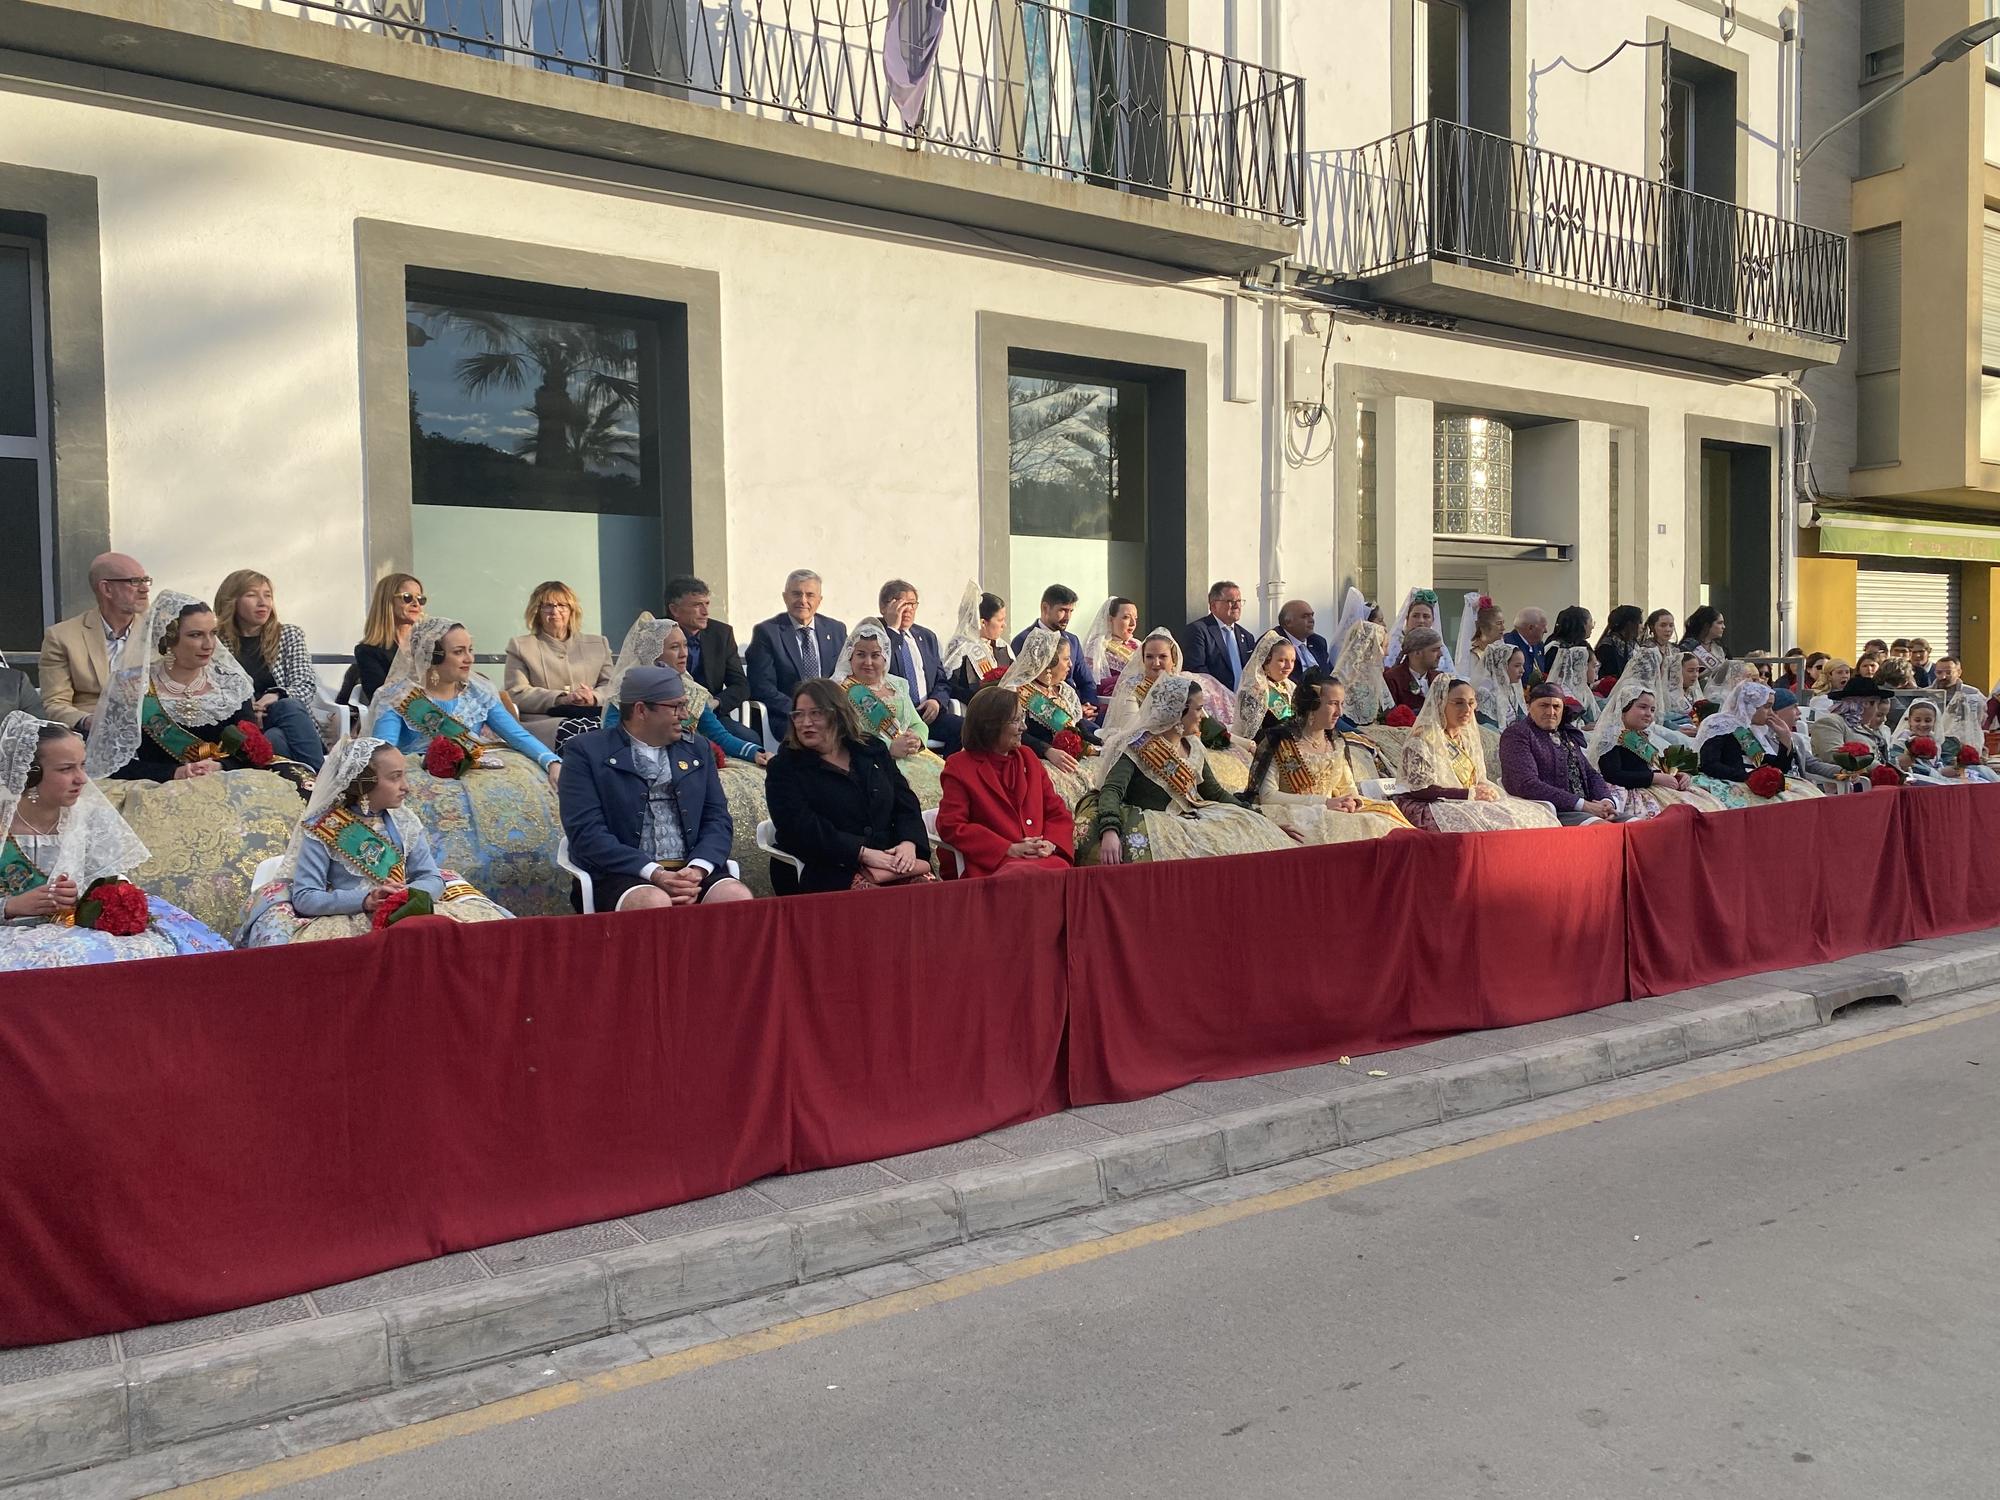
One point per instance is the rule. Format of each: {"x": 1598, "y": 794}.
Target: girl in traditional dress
{"x": 1266, "y": 692}
{"x": 1628, "y": 744}
{"x": 1479, "y": 631}
{"x": 1570, "y": 669}
{"x": 1419, "y": 612}
{"x": 1303, "y": 777}
{"x": 1942, "y": 769}
{"x": 1110, "y": 642}
{"x": 494, "y": 819}
{"x": 1039, "y": 677}
{"x": 355, "y": 848}
{"x": 1159, "y": 800}
{"x": 1444, "y": 769}
{"x": 58, "y": 835}
{"x": 978, "y": 645}
{"x": 882, "y": 700}
{"x": 1741, "y": 737}
{"x": 1496, "y": 676}
{"x": 1359, "y": 658}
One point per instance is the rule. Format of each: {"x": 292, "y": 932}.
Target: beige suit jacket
{"x": 539, "y": 668}
{"x": 76, "y": 667}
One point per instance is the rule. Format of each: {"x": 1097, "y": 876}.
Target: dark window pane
{"x": 17, "y": 345}
{"x": 1077, "y": 484}
{"x": 532, "y": 457}
{"x": 20, "y": 565}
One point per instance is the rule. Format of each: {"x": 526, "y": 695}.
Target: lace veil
{"x": 1094, "y": 655}
{"x": 1394, "y": 651}
{"x": 1353, "y": 610}
{"x": 1039, "y": 648}
{"x": 344, "y": 762}
{"x": 1252, "y": 694}
{"x": 1467, "y": 623}
{"x": 1499, "y": 699}
{"x": 1159, "y": 714}
{"x": 413, "y": 660}
{"x": 1962, "y": 717}
{"x": 114, "y": 727}
{"x": 1358, "y": 659}
{"x": 1437, "y": 740}
{"x": 641, "y": 647}
{"x": 967, "y": 645}
{"x": 1611, "y": 723}
{"x": 1738, "y": 708}
{"x": 92, "y": 841}
{"x": 1125, "y": 697}
{"x": 869, "y": 629}
{"x": 1572, "y": 675}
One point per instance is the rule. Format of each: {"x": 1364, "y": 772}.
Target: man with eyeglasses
{"x": 80, "y": 654}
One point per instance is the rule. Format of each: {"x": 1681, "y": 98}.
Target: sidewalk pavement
{"x": 171, "y": 1403}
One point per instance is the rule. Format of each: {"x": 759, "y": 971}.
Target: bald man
{"x": 80, "y": 654}
{"x": 1295, "y": 619}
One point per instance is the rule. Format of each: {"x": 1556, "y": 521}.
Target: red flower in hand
{"x": 1856, "y": 749}
{"x": 1884, "y": 776}
{"x": 1766, "y": 781}
{"x": 444, "y": 758}
{"x": 1923, "y": 747}
{"x": 1071, "y": 744}
{"x": 1603, "y": 686}
{"x": 721, "y": 757}
{"x": 1400, "y": 717}
{"x": 391, "y": 904}
{"x": 114, "y": 907}
{"x": 1968, "y": 755}
{"x": 256, "y": 749}
{"x": 993, "y": 674}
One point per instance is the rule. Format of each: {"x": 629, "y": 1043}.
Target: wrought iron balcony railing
{"x": 1446, "y": 192}
{"x": 1025, "y": 82}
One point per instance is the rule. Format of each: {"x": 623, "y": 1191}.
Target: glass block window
{"x": 1473, "y": 477}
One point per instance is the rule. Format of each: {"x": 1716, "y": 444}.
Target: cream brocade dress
{"x": 1303, "y": 777}
{"x": 1425, "y": 764}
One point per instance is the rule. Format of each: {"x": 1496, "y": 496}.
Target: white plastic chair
{"x": 587, "y": 888}
{"x": 943, "y": 849}
{"x": 767, "y": 841}
{"x": 267, "y": 871}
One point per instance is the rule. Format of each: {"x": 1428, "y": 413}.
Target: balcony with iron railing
{"x": 1021, "y": 115}
{"x": 1455, "y": 221}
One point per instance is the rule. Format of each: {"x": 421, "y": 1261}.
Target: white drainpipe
{"x": 1271, "y": 53}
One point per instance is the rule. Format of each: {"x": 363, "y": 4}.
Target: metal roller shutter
{"x": 1892, "y": 602}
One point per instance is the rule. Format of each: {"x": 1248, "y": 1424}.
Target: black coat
{"x": 150, "y": 763}
{"x": 1722, "y": 758}
{"x": 826, "y": 817}
{"x": 721, "y": 670}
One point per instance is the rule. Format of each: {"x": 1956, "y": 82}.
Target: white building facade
{"x": 1118, "y": 294}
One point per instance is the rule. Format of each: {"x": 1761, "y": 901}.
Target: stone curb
{"x": 68, "y": 1422}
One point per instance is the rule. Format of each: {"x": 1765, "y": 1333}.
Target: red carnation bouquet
{"x": 1703, "y": 707}
{"x": 114, "y": 907}
{"x": 1968, "y": 755}
{"x": 1400, "y": 717}
{"x": 1884, "y": 776}
{"x": 1766, "y": 781}
{"x": 993, "y": 674}
{"x": 1854, "y": 757}
{"x": 448, "y": 760}
{"x": 1074, "y": 745}
{"x": 721, "y": 755}
{"x": 404, "y": 903}
{"x": 1602, "y": 688}
{"x": 1923, "y": 747}
{"x": 245, "y": 739}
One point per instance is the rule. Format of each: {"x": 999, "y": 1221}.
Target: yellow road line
{"x": 348, "y": 1455}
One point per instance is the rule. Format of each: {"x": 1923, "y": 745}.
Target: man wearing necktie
{"x": 792, "y": 648}
{"x": 918, "y": 661}
{"x": 1215, "y": 644}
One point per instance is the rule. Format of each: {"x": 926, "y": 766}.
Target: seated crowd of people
{"x": 602, "y": 780}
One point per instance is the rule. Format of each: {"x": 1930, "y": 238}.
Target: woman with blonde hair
{"x": 284, "y": 686}
{"x": 555, "y": 673}
{"x": 398, "y": 603}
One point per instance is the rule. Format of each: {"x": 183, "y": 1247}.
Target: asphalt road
{"x": 1782, "y": 1288}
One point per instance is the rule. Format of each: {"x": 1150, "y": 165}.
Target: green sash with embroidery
{"x": 183, "y": 745}
{"x": 424, "y": 716}
{"x": 1753, "y": 753}
{"x": 880, "y": 717}
{"x": 1640, "y": 745}
{"x": 1277, "y": 704}
{"x": 1046, "y": 711}
{"x": 18, "y": 874}
{"x": 360, "y": 847}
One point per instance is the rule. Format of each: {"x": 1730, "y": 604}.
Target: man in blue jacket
{"x": 1216, "y": 644}
{"x": 792, "y": 648}
{"x": 643, "y": 809}
{"x": 1058, "y": 604}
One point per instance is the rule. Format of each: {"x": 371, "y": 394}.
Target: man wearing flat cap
{"x": 1408, "y": 681}
{"x": 643, "y": 807}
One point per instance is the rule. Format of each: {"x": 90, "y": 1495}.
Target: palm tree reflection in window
{"x": 521, "y": 411}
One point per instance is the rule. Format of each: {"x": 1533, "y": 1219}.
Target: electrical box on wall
{"x": 1305, "y": 358}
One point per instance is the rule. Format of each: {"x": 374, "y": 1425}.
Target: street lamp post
{"x": 1951, "y": 49}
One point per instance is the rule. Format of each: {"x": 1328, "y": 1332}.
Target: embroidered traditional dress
{"x": 1306, "y": 771}
{"x": 1165, "y": 803}
{"x": 1436, "y": 760}
{"x": 1631, "y": 761}
{"x": 886, "y": 711}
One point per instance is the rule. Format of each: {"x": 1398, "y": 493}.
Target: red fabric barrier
{"x": 1221, "y": 968}
{"x": 194, "y": 1134}
{"x": 1951, "y": 849}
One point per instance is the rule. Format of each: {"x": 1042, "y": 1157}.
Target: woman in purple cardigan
{"x": 1543, "y": 758}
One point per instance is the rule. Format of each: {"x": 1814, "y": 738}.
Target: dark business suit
{"x": 1322, "y": 658}
{"x": 1533, "y": 656}
{"x": 1079, "y": 673}
{"x": 920, "y": 643}
{"x": 1203, "y": 649}
{"x": 715, "y": 663}
{"x": 602, "y": 795}
{"x": 778, "y": 665}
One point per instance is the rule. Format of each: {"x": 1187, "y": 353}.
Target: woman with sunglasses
{"x": 398, "y": 604}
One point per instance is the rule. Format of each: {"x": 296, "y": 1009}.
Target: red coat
{"x": 992, "y": 802}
